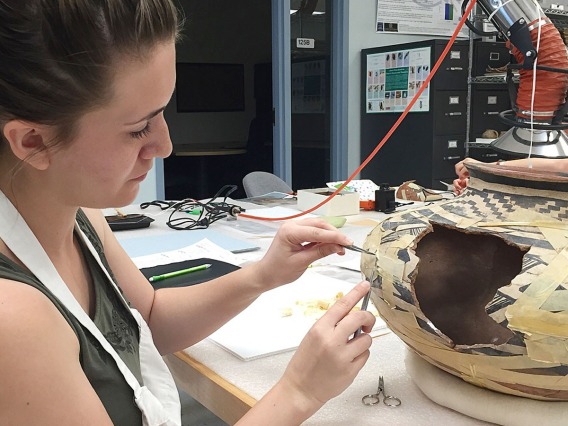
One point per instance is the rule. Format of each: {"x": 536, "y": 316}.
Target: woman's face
{"x": 115, "y": 145}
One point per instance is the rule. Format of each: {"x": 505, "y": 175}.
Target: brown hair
{"x": 57, "y": 56}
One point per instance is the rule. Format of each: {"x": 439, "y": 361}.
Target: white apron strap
{"x": 160, "y": 391}
{"x": 17, "y": 235}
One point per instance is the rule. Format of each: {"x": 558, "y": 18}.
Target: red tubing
{"x": 551, "y": 86}
{"x": 393, "y": 128}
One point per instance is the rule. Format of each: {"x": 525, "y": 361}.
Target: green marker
{"x": 180, "y": 272}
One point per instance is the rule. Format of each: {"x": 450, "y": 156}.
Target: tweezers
{"x": 359, "y": 249}
{"x": 365, "y": 303}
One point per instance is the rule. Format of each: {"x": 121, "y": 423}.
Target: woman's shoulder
{"x": 92, "y": 220}
{"x": 26, "y": 314}
{"x": 93, "y": 223}
{"x": 39, "y": 360}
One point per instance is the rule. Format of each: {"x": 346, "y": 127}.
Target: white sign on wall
{"x": 428, "y": 17}
{"x": 305, "y": 43}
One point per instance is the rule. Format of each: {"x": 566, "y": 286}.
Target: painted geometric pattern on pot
{"x": 401, "y": 291}
{"x": 499, "y": 302}
{"x": 499, "y": 205}
{"x": 394, "y": 222}
{"x": 415, "y": 229}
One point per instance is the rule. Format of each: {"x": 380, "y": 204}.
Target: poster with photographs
{"x": 393, "y": 78}
{"x": 428, "y": 17}
{"x": 308, "y": 86}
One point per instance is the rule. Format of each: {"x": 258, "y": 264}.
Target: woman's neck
{"x": 51, "y": 221}
{"x": 53, "y": 227}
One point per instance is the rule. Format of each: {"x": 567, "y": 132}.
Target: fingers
{"x": 460, "y": 185}
{"x": 344, "y": 305}
{"x": 458, "y": 167}
{"x": 461, "y": 168}
{"x": 315, "y": 251}
{"x": 347, "y": 322}
{"x": 457, "y": 187}
{"x": 314, "y": 221}
{"x": 314, "y": 231}
{"x": 312, "y": 239}
{"x": 461, "y": 171}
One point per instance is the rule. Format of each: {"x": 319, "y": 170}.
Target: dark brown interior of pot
{"x": 457, "y": 276}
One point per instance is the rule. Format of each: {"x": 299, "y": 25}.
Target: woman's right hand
{"x": 324, "y": 365}
{"x": 328, "y": 358}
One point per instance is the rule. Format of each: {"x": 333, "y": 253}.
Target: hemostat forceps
{"x": 375, "y": 398}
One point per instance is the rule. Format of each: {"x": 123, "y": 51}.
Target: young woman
{"x": 83, "y": 87}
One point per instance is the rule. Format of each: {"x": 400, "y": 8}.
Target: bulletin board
{"x": 394, "y": 77}
{"x": 309, "y": 86}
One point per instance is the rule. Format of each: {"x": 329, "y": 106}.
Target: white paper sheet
{"x": 168, "y": 241}
{"x": 262, "y": 330}
{"x": 201, "y": 249}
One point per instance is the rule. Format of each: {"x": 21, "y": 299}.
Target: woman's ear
{"x": 29, "y": 142}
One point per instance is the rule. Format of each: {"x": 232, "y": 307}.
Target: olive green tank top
{"x": 113, "y": 318}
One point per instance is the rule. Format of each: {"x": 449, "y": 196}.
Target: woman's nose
{"x": 160, "y": 144}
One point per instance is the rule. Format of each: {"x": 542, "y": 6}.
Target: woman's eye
{"x": 141, "y": 133}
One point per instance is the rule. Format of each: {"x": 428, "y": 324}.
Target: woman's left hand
{"x": 298, "y": 244}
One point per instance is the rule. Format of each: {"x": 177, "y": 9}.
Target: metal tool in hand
{"x": 375, "y": 398}
{"x": 371, "y": 278}
{"x": 359, "y": 249}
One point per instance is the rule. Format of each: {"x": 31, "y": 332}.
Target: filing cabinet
{"x": 429, "y": 142}
{"x": 450, "y": 109}
{"x": 487, "y": 102}
{"x": 488, "y": 55}
{"x": 453, "y": 71}
{"x": 489, "y": 91}
{"x": 447, "y": 151}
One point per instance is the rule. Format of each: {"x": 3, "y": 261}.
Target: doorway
{"x": 310, "y": 53}
{"x": 219, "y": 145}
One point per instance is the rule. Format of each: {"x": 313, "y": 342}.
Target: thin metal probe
{"x": 365, "y": 302}
{"x": 359, "y": 249}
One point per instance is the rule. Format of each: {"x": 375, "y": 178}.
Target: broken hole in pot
{"x": 458, "y": 274}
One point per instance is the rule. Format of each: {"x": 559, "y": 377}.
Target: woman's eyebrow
{"x": 148, "y": 117}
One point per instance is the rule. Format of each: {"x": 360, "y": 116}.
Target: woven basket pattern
{"x": 534, "y": 362}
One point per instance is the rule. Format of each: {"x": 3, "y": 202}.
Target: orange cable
{"x": 552, "y": 85}
{"x": 389, "y": 133}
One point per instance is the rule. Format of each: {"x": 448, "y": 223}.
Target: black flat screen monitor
{"x": 204, "y": 87}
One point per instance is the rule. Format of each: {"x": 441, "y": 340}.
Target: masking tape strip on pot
{"x": 557, "y": 239}
{"x": 525, "y": 314}
{"x": 547, "y": 349}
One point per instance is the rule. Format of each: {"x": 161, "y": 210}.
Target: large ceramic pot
{"x": 478, "y": 285}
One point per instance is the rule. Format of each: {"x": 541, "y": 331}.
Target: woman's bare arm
{"x": 42, "y": 381}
